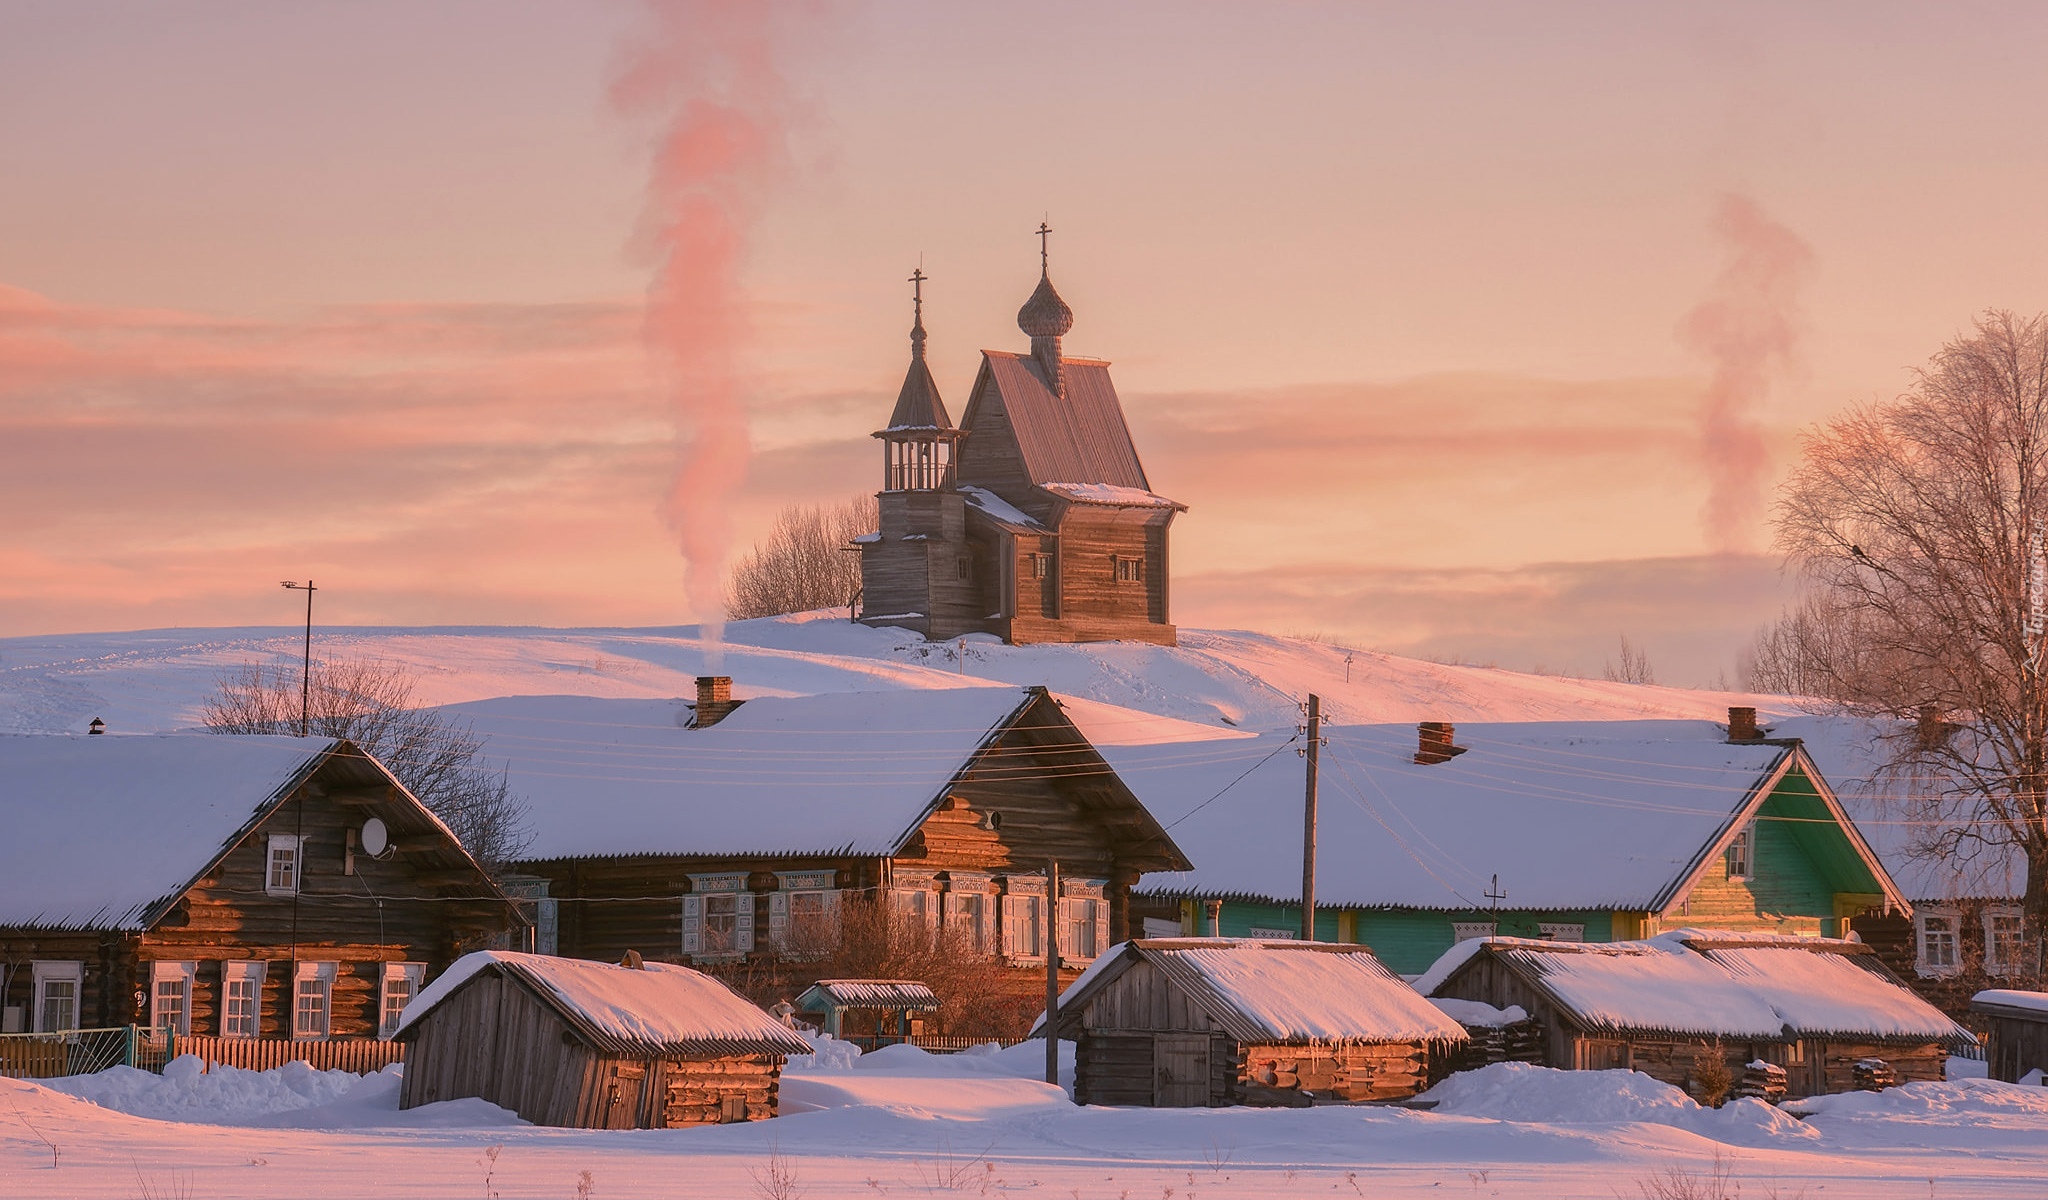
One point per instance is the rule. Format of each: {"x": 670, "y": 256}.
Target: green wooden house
{"x": 1592, "y": 831}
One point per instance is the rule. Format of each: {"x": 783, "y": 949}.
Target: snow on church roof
{"x": 99, "y": 829}
{"x": 1569, "y": 815}
{"x": 1280, "y": 991}
{"x": 845, "y": 772}
{"x": 656, "y": 1008}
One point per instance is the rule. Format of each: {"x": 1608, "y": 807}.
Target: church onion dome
{"x": 1045, "y": 315}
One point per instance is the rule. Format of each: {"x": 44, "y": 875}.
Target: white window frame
{"x": 1465, "y": 931}
{"x": 183, "y": 974}
{"x": 1561, "y": 931}
{"x": 970, "y": 911}
{"x": 44, "y": 972}
{"x": 1924, "y": 966}
{"x": 1741, "y": 854}
{"x": 1024, "y": 914}
{"x": 1995, "y": 963}
{"x": 916, "y": 906}
{"x": 248, "y": 971}
{"x": 324, "y": 973}
{"x": 697, "y": 909}
{"x": 411, "y": 975}
{"x": 296, "y": 846}
{"x": 1272, "y": 934}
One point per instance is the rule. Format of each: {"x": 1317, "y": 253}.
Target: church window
{"x": 1041, "y": 566}
{"x": 963, "y": 567}
{"x": 1130, "y": 570}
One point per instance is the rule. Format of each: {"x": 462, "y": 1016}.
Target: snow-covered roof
{"x": 1110, "y": 494}
{"x": 657, "y": 1008}
{"x": 840, "y": 773}
{"x": 2007, "y": 1001}
{"x": 867, "y": 993}
{"x": 1569, "y": 815}
{"x": 101, "y": 829}
{"x": 1717, "y": 984}
{"x": 1000, "y": 510}
{"x": 1279, "y": 991}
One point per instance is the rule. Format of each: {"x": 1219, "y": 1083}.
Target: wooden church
{"x": 1032, "y": 519}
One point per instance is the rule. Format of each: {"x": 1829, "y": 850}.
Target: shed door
{"x": 1182, "y": 1065}
{"x": 622, "y": 1097}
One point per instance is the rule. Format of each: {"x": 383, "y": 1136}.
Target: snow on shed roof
{"x": 659, "y": 1008}
{"x": 1281, "y": 991}
{"x": 99, "y": 829}
{"x": 867, "y": 993}
{"x": 1720, "y": 984}
{"x": 2006, "y": 1001}
{"x": 845, "y": 772}
{"x": 1589, "y": 814}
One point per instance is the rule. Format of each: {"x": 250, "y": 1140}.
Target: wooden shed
{"x": 1206, "y": 1022}
{"x": 562, "y": 1041}
{"x": 2019, "y": 1032}
{"x": 1826, "y": 1012}
{"x": 887, "y": 1005}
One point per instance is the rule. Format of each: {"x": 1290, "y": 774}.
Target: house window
{"x": 915, "y": 909}
{"x": 401, "y": 984}
{"x": 803, "y": 912}
{"x": 170, "y": 996}
{"x": 1935, "y": 931}
{"x": 1465, "y": 931}
{"x": 1024, "y": 925}
{"x": 718, "y": 916}
{"x": 1551, "y": 931}
{"x": 281, "y": 877}
{"x": 312, "y": 1001}
{"x": 1077, "y": 927}
{"x": 967, "y": 917}
{"x": 547, "y": 925}
{"x": 2004, "y": 942}
{"x": 1740, "y": 853}
{"x": 241, "y": 999}
{"x": 1130, "y": 570}
{"x": 57, "y": 988}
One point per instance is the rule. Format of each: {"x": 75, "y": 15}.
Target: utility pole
{"x": 1052, "y": 971}
{"x": 305, "y": 662}
{"x": 1308, "y": 820}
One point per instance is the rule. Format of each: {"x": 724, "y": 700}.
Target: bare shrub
{"x": 777, "y": 1179}
{"x": 370, "y": 703}
{"x": 1711, "y": 1077}
{"x": 1675, "y": 1182}
{"x": 808, "y": 561}
{"x": 1634, "y": 666}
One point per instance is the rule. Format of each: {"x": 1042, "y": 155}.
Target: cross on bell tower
{"x": 918, "y": 445}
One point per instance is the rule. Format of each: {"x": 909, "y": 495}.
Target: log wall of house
{"x": 106, "y": 993}
{"x": 1350, "y": 1070}
{"x": 607, "y": 906}
{"x": 719, "y": 1091}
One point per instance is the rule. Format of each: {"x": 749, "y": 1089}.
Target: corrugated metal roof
{"x": 867, "y": 993}
{"x": 1079, "y": 439}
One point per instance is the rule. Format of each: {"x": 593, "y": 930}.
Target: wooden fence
{"x": 80, "y": 1051}
{"x": 360, "y": 1055}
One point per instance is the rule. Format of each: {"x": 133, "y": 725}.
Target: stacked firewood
{"x": 1873, "y": 1075}
{"x": 1762, "y": 1081}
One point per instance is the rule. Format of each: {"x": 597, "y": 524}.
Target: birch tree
{"x": 1918, "y": 525}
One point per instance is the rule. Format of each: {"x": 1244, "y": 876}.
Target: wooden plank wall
{"x": 1143, "y": 999}
{"x": 2018, "y": 1045}
{"x": 494, "y": 1041}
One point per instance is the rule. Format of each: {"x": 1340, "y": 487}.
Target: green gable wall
{"x": 1801, "y": 860}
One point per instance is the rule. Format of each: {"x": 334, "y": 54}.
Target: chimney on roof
{"x": 714, "y": 700}
{"x": 1433, "y": 742}
{"x": 1742, "y": 725}
{"x": 632, "y": 961}
{"x": 97, "y": 726}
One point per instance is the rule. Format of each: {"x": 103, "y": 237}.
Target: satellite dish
{"x": 376, "y": 839}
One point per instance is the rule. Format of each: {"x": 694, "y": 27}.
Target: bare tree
{"x": 439, "y": 760}
{"x": 1634, "y": 666}
{"x": 1917, "y": 524}
{"x": 809, "y": 561}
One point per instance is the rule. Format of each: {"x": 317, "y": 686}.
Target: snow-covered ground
{"x": 157, "y": 679}
{"x": 904, "y": 1123}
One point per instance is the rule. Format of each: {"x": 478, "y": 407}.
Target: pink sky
{"x": 1394, "y": 293}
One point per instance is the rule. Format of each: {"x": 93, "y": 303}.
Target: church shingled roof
{"x": 1077, "y": 438}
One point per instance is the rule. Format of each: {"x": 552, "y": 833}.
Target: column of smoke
{"x": 703, "y": 71}
{"x": 1748, "y": 328}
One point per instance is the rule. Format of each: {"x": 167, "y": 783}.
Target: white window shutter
{"x": 1010, "y": 926}
{"x": 1101, "y": 926}
{"x": 949, "y": 910}
{"x": 743, "y": 923}
{"x": 987, "y": 932}
{"x": 693, "y": 924}
{"x": 778, "y": 918}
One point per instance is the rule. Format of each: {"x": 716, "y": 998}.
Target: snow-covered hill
{"x": 157, "y": 679}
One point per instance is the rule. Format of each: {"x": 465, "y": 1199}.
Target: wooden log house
{"x": 2017, "y": 1025}
{"x": 1815, "y": 1007}
{"x": 738, "y": 839}
{"x": 593, "y": 1045}
{"x": 1032, "y": 520}
{"x": 1196, "y": 1022}
{"x": 1592, "y": 831}
{"x": 219, "y": 886}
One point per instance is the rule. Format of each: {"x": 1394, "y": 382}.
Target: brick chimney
{"x": 1433, "y": 742}
{"x": 1742, "y": 725}
{"x": 714, "y": 700}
